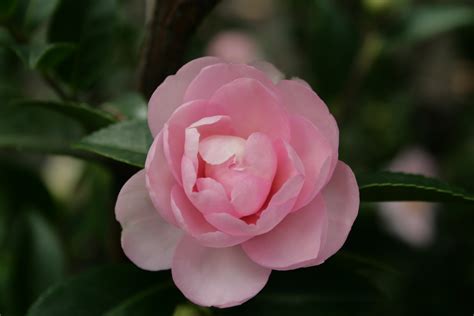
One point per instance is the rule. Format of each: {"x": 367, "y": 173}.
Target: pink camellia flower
{"x": 242, "y": 178}
{"x": 234, "y": 46}
{"x": 412, "y": 221}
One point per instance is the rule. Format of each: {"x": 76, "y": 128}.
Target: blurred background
{"x": 397, "y": 74}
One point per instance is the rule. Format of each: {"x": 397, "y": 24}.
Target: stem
{"x": 171, "y": 27}
{"x": 56, "y": 87}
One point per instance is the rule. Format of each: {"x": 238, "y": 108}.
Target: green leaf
{"x": 389, "y": 186}
{"x": 89, "y": 117}
{"x": 38, "y": 259}
{"x": 129, "y": 105}
{"x": 49, "y": 55}
{"x": 48, "y": 126}
{"x": 112, "y": 291}
{"x": 91, "y": 25}
{"x": 429, "y": 21}
{"x": 41, "y": 56}
{"x": 36, "y": 128}
{"x": 38, "y": 11}
{"x": 126, "y": 141}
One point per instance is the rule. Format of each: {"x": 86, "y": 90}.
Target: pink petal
{"x": 280, "y": 205}
{"x": 289, "y": 165}
{"x": 174, "y": 130}
{"x": 213, "y": 77}
{"x": 147, "y": 239}
{"x": 159, "y": 179}
{"x": 169, "y": 94}
{"x": 222, "y": 277}
{"x": 192, "y": 222}
{"x": 210, "y": 197}
{"x": 133, "y": 202}
{"x": 189, "y": 172}
{"x": 252, "y": 108}
{"x": 298, "y": 98}
{"x": 212, "y": 125}
{"x": 341, "y": 196}
{"x": 260, "y": 157}
{"x": 316, "y": 154}
{"x": 259, "y": 166}
{"x": 249, "y": 195}
{"x": 191, "y": 147}
{"x": 202, "y": 129}
{"x": 218, "y": 149}
{"x": 248, "y": 177}
{"x": 294, "y": 241}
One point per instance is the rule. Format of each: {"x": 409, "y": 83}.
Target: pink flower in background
{"x": 413, "y": 222}
{"x": 234, "y": 46}
{"x": 242, "y": 178}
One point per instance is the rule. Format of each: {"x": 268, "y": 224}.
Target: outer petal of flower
{"x": 341, "y": 196}
{"x": 159, "y": 179}
{"x": 213, "y": 77}
{"x": 169, "y": 95}
{"x": 193, "y": 222}
{"x": 315, "y": 152}
{"x": 147, "y": 239}
{"x": 216, "y": 277}
{"x": 252, "y": 108}
{"x": 298, "y": 98}
{"x": 294, "y": 241}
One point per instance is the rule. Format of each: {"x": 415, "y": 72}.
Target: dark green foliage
{"x": 112, "y": 291}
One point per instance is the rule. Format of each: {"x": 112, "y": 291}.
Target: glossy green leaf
{"x": 129, "y": 105}
{"x": 48, "y": 126}
{"x": 113, "y": 291}
{"x": 89, "y": 117}
{"x": 50, "y": 55}
{"x": 126, "y": 141}
{"x": 36, "y": 128}
{"x": 389, "y": 186}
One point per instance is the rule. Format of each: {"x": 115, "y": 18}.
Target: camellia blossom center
{"x": 245, "y": 177}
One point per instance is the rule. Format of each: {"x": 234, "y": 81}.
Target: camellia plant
{"x": 227, "y": 173}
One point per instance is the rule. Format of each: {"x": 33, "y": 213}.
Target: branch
{"x": 172, "y": 25}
